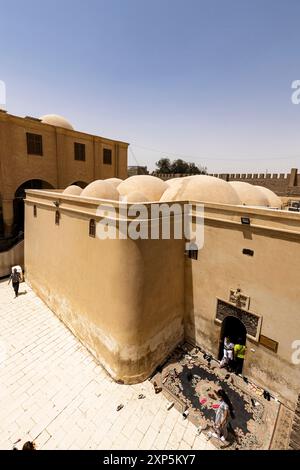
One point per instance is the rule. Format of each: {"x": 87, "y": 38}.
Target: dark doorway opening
{"x": 19, "y": 201}
{"x": 233, "y": 328}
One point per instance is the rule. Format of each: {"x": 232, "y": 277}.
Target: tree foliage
{"x": 179, "y": 166}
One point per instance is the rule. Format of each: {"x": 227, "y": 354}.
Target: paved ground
{"x": 54, "y": 392}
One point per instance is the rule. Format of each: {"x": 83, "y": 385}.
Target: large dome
{"x": 150, "y": 186}
{"x": 249, "y": 194}
{"x": 56, "y": 120}
{"x": 274, "y": 200}
{"x": 101, "y": 189}
{"x": 135, "y": 196}
{"x": 202, "y": 188}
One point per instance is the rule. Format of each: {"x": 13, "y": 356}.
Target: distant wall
{"x": 281, "y": 183}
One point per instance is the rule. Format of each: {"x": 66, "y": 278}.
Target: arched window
{"x": 34, "y": 211}
{"x": 92, "y": 228}
{"x": 57, "y": 217}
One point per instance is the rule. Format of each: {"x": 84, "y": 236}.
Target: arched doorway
{"x": 233, "y": 328}
{"x": 19, "y": 201}
{"x": 81, "y": 184}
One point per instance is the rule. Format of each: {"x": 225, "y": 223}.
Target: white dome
{"x": 100, "y": 189}
{"x": 73, "y": 190}
{"x": 151, "y": 186}
{"x": 249, "y": 194}
{"x": 170, "y": 193}
{"x": 114, "y": 181}
{"x": 176, "y": 181}
{"x": 56, "y": 120}
{"x": 273, "y": 199}
{"x": 135, "y": 196}
{"x": 202, "y": 188}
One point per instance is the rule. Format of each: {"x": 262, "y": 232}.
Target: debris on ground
{"x": 157, "y": 388}
{"x": 119, "y": 407}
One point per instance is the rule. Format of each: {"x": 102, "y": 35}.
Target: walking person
{"x": 15, "y": 279}
{"x": 223, "y": 414}
{"x": 222, "y": 417}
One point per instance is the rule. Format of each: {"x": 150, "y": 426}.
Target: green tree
{"x": 179, "y": 166}
{"x": 164, "y": 166}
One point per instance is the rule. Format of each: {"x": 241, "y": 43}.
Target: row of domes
{"x": 202, "y": 188}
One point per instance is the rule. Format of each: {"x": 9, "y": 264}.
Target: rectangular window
{"x": 248, "y": 252}
{"x": 92, "y": 229}
{"x": 34, "y": 211}
{"x": 57, "y": 217}
{"x": 107, "y": 156}
{"x": 34, "y": 144}
{"x": 193, "y": 254}
{"x": 79, "y": 151}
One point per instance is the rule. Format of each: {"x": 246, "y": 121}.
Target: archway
{"x": 19, "y": 201}
{"x": 233, "y": 328}
{"x": 81, "y": 184}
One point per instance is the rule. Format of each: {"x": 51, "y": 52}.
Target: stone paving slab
{"x": 54, "y": 392}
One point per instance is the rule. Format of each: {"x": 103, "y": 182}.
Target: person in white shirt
{"x": 227, "y": 352}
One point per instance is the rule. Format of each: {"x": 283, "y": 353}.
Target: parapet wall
{"x": 283, "y": 184}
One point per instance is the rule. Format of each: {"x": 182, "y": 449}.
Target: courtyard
{"x": 55, "y": 393}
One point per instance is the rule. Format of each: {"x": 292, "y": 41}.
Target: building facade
{"x": 48, "y": 153}
{"x": 137, "y": 170}
{"x": 132, "y": 301}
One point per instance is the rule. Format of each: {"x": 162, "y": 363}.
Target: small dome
{"x": 273, "y": 199}
{"x": 170, "y": 193}
{"x": 100, "y": 189}
{"x": 73, "y": 190}
{"x": 176, "y": 181}
{"x": 203, "y": 188}
{"x": 249, "y": 194}
{"x": 56, "y": 120}
{"x": 173, "y": 186}
{"x": 114, "y": 181}
{"x": 151, "y": 186}
{"x": 135, "y": 196}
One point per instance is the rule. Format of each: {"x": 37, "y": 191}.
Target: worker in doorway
{"x": 227, "y": 353}
{"x": 239, "y": 356}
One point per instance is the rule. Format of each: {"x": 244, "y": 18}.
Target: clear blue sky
{"x": 208, "y": 80}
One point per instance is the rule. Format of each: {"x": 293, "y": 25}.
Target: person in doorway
{"x": 239, "y": 356}
{"x": 15, "y": 279}
{"x": 227, "y": 353}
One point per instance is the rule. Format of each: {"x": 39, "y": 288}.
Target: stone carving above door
{"x": 237, "y": 297}
{"x": 251, "y": 321}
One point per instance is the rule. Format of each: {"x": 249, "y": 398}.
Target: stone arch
{"x": 251, "y": 321}
{"x": 18, "y": 201}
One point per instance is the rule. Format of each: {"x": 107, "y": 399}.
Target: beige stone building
{"x": 131, "y": 301}
{"x": 49, "y": 153}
